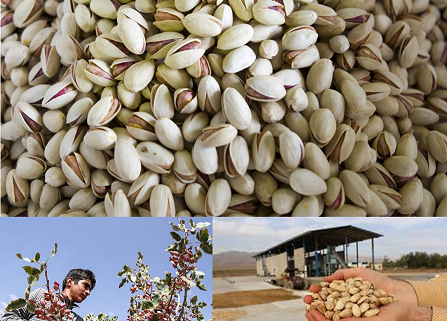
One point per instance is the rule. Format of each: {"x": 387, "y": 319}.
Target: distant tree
{"x": 387, "y": 263}
{"x": 417, "y": 260}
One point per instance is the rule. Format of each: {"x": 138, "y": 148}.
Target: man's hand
{"x": 393, "y": 312}
{"x": 403, "y": 291}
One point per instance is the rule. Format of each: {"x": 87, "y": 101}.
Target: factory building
{"x": 316, "y": 252}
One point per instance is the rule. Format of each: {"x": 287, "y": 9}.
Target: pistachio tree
{"x": 166, "y": 299}
{"x": 52, "y": 307}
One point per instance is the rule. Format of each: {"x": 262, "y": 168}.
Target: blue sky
{"x": 401, "y": 235}
{"x": 101, "y": 245}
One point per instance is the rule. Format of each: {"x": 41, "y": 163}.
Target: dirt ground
{"x": 233, "y": 272}
{"x": 228, "y": 315}
{"x": 244, "y": 298}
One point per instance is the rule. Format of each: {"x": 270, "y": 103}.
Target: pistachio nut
{"x": 269, "y": 12}
{"x": 334, "y": 197}
{"x": 235, "y": 36}
{"x": 184, "y": 53}
{"x": 217, "y": 198}
{"x": 76, "y": 170}
{"x": 155, "y": 157}
{"x": 355, "y": 188}
{"x": 59, "y": 95}
{"x": 142, "y": 126}
{"x": 139, "y": 74}
{"x": 307, "y": 207}
{"x": 204, "y": 157}
{"x": 30, "y": 167}
{"x": 236, "y": 157}
{"x": 299, "y": 38}
{"x": 193, "y": 126}
{"x": 127, "y": 160}
{"x": 316, "y": 161}
{"x": 306, "y": 182}
{"x": 202, "y": 24}
{"x": 264, "y": 88}
{"x": 284, "y": 200}
{"x": 104, "y": 111}
{"x": 169, "y": 134}
{"x": 265, "y": 187}
{"x": 238, "y": 59}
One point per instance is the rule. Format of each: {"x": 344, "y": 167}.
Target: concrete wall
{"x": 298, "y": 257}
{"x": 276, "y": 264}
{"x": 259, "y": 270}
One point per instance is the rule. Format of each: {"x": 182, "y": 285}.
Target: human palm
{"x": 401, "y": 290}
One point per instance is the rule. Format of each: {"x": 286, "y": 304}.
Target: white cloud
{"x": 3, "y": 307}
{"x": 257, "y": 234}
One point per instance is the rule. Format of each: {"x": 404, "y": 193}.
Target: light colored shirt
{"x": 433, "y": 294}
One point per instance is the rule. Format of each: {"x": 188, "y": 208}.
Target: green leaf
{"x": 202, "y": 304}
{"x": 16, "y": 304}
{"x": 32, "y": 280}
{"x": 156, "y": 298}
{"x": 31, "y": 270}
{"x": 182, "y": 226}
{"x": 175, "y": 228}
{"x": 207, "y": 247}
{"x": 194, "y": 299}
{"x": 203, "y": 224}
{"x": 53, "y": 253}
{"x": 159, "y": 283}
{"x": 155, "y": 317}
{"x": 202, "y": 235}
{"x": 200, "y": 316}
{"x": 23, "y": 258}
{"x": 36, "y": 257}
{"x": 200, "y": 275}
{"x": 133, "y": 278}
{"x": 172, "y": 247}
{"x": 198, "y": 254}
{"x": 27, "y": 292}
{"x": 31, "y": 307}
{"x": 148, "y": 304}
{"x": 168, "y": 278}
{"x": 201, "y": 286}
{"x": 191, "y": 283}
{"x": 176, "y": 236}
{"x": 122, "y": 283}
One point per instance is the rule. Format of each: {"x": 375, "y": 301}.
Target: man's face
{"x": 79, "y": 291}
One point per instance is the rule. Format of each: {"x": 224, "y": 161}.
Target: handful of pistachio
{"x": 353, "y": 297}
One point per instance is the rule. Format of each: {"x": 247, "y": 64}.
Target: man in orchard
{"x": 76, "y": 288}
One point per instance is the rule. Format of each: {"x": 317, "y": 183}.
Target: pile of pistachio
{"x": 354, "y": 297}
{"x": 223, "y": 108}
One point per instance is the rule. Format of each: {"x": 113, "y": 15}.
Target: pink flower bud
{"x": 56, "y": 285}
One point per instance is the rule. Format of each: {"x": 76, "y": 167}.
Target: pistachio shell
{"x": 305, "y": 182}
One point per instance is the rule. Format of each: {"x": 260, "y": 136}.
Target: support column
{"x": 372, "y": 248}
{"x": 357, "y": 252}
{"x": 317, "y": 259}
{"x": 346, "y": 251}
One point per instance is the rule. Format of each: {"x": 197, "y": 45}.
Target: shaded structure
{"x": 314, "y": 252}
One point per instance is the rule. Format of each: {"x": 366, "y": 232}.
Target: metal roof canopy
{"x": 334, "y": 236}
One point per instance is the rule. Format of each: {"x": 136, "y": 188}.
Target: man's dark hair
{"x": 79, "y": 275}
